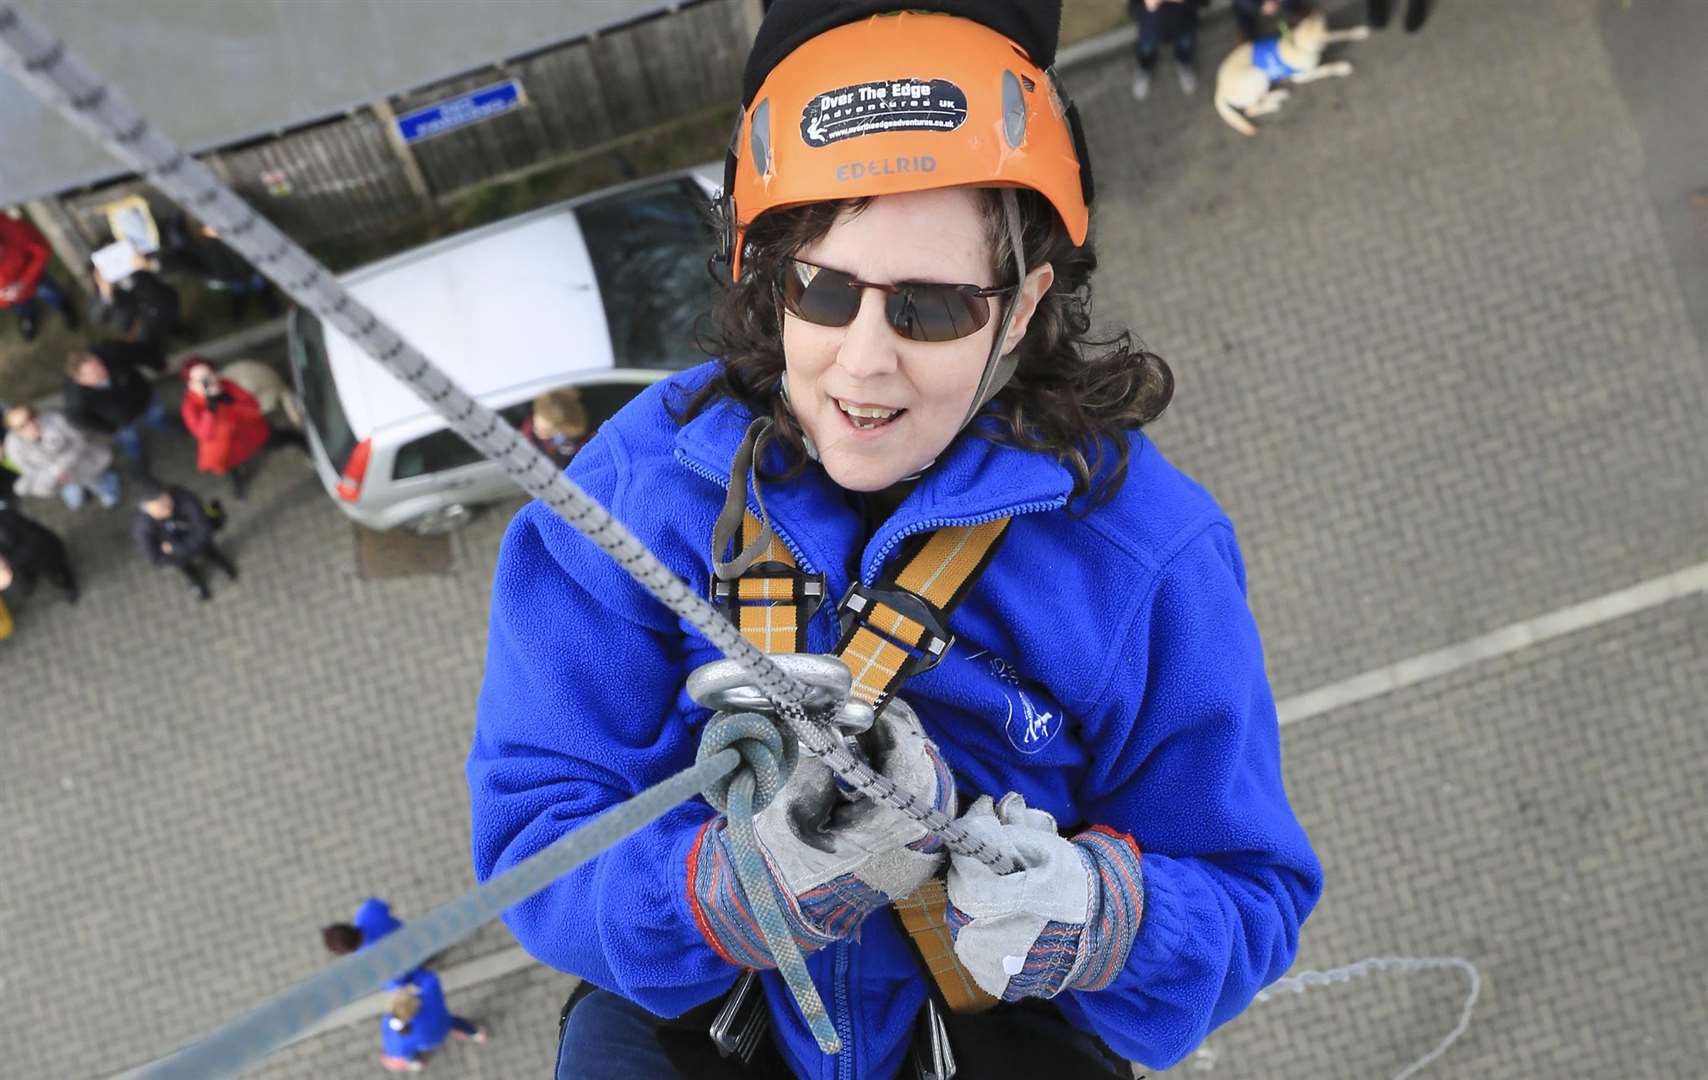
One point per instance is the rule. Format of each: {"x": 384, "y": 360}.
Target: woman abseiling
{"x": 906, "y": 360}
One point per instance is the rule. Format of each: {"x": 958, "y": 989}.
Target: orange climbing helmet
{"x": 846, "y": 99}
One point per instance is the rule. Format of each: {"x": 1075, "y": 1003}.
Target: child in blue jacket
{"x": 904, "y": 333}
{"x": 417, "y": 1021}
{"x": 372, "y": 921}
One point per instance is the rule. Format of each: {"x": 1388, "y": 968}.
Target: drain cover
{"x": 396, "y": 554}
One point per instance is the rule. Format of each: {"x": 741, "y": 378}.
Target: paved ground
{"x": 1433, "y": 352}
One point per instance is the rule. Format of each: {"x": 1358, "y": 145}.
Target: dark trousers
{"x": 242, "y": 474}
{"x": 606, "y": 1037}
{"x": 50, "y": 292}
{"x": 55, "y": 566}
{"x": 190, "y": 566}
{"x": 1170, "y": 22}
{"x": 239, "y": 291}
{"x": 1247, "y": 13}
{"x": 1377, "y": 11}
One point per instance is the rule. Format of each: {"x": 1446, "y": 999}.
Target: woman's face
{"x": 913, "y": 393}
{"x": 25, "y": 423}
{"x": 203, "y": 382}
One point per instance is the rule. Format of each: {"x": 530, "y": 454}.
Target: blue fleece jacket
{"x": 375, "y": 920}
{"x": 428, "y": 1028}
{"x": 1106, "y": 666}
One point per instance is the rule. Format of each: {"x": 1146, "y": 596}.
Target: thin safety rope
{"x": 1406, "y": 965}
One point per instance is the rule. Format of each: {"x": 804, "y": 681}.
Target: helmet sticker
{"x": 873, "y": 108}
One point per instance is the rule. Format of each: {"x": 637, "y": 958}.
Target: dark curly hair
{"x": 1072, "y": 395}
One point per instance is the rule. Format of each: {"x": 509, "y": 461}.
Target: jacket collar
{"x": 973, "y": 480}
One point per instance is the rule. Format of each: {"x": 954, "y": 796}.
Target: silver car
{"x": 601, "y": 293}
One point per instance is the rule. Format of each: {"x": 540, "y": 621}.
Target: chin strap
{"x": 999, "y": 366}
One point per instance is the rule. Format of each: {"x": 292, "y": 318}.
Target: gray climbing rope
{"x": 60, "y": 78}
{"x": 254, "y": 1034}
{"x": 770, "y": 756}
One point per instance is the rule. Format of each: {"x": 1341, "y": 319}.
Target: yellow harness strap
{"x": 771, "y": 602}
{"x": 890, "y": 632}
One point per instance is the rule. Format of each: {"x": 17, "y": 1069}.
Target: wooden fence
{"x": 354, "y": 173}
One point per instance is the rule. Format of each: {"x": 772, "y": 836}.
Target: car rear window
{"x": 649, "y": 249}
{"x": 317, "y": 389}
{"x": 445, "y": 449}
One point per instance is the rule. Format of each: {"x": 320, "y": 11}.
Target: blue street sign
{"x": 453, "y": 113}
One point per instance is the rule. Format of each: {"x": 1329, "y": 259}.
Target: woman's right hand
{"x": 827, "y": 849}
{"x": 833, "y": 859}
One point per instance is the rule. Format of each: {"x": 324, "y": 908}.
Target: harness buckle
{"x": 807, "y": 592}
{"x": 860, "y": 600}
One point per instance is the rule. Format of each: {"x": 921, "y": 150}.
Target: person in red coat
{"x": 227, "y": 422}
{"x": 23, "y": 276}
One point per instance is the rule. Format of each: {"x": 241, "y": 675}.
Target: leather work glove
{"x": 1065, "y": 921}
{"x": 834, "y": 858}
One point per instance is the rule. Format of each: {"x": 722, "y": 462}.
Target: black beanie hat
{"x": 1034, "y": 25}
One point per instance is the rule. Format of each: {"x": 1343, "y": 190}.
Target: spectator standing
{"x": 52, "y": 455}
{"x": 107, "y": 392}
{"x": 417, "y": 1021}
{"x": 24, "y": 279}
{"x": 228, "y": 424}
{"x": 140, "y": 307}
{"x": 198, "y": 250}
{"x": 1162, "y": 22}
{"x": 28, "y": 550}
{"x": 172, "y": 528}
{"x": 558, "y": 426}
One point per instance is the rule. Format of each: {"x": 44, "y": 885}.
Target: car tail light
{"x": 350, "y": 487}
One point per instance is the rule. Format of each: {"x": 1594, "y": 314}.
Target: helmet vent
{"x": 761, "y": 137}
{"x": 1013, "y": 110}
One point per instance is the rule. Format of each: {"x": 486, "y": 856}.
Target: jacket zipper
{"x": 843, "y": 958}
{"x": 844, "y": 1028}
{"x": 933, "y": 524}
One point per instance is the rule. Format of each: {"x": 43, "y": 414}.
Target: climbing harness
{"x": 889, "y": 632}
{"x": 46, "y": 66}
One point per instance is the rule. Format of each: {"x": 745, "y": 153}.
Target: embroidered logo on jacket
{"x": 1033, "y": 723}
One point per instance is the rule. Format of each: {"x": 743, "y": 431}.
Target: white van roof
{"x": 498, "y": 308}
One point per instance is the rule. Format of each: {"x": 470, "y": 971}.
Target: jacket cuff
{"x": 1163, "y": 934}
{"x": 1117, "y": 907}
{"x": 718, "y": 903}
{"x": 726, "y": 917}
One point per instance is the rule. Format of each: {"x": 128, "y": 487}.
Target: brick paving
{"x": 1431, "y": 354}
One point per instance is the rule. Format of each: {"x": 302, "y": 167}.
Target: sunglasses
{"x": 917, "y": 310}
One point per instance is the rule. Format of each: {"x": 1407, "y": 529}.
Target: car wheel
{"x": 445, "y": 519}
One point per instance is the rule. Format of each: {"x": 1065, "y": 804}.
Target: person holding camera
{"x": 229, "y": 427}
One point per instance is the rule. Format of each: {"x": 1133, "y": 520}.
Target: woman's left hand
{"x": 1065, "y": 920}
